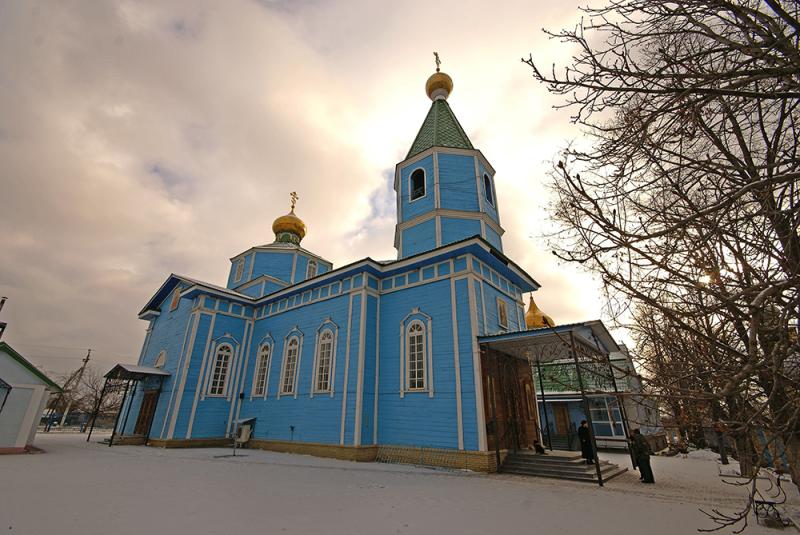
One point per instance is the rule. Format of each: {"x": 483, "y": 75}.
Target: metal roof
{"x": 132, "y": 372}
{"x": 546, "y": 344}
{"x": 439, "y": 129}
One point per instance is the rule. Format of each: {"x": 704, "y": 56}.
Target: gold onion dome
{"x": 289, "y": 228}
{"x": 439, "y": 85}
{"x": 535, "y": 318}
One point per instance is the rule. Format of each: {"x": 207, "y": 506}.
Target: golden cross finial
{"x": 294, "y": 197}
{"x": 438, "y": 61}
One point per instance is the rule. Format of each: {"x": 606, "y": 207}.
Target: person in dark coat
{"x": 587, "y": 452}
{"x": 641, "y": 452}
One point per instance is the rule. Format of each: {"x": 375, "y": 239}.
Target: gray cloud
{"x": 139, "y": 139}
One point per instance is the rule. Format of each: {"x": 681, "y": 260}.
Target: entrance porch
{"x": 514, "y": 419}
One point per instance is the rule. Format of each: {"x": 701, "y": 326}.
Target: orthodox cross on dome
{"x": 438, "y": 61}
{"x": 294, "y": 197}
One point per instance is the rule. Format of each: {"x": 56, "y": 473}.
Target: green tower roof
{"x": 440, "y": 129}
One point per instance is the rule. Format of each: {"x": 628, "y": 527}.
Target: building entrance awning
{"x": 131, "y": 372}
{"x": 547, "y": 344}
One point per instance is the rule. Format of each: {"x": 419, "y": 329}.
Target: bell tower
{"x": 445, "y": 187}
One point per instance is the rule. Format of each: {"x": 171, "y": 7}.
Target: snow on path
{"x": 84, "y": 489}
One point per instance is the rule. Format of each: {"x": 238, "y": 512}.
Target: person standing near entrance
{"x": 641, "y": 451}
{"x": 587, "y": 452}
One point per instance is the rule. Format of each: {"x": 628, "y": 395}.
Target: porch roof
{"x": 132, "y": 372}
{"x": 546, "y": 344}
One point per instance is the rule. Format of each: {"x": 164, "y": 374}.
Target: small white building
{"x": 23, "y": 396}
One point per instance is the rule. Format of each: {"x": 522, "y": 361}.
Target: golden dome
{"x": 439, "y": 84}
{"x": 535, "y": 318}
{"x": 289, "y": 228}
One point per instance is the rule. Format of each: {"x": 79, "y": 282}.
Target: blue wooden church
{"x": 372, "y": 359}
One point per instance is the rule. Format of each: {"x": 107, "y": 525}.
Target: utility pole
{"x": 2, "y": 323}
{"x": 77, "y": 382}
{"x": 74, "y": 378}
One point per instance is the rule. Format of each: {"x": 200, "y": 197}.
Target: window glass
{"x": 417, "y": 184}
{"x": 416, "y": 357}
{"x": 260, "y": 379}
{"x": 311, "y": 270}
{"x": 221, "y": 365}
{"x": 324, "y": 356}
{"x": 289, "y": 367}
{"x": 239, "y": 270}
{"x": 502, "y": 313}
{"x": 487, "y": 189}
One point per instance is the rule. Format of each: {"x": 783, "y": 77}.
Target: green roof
{"x": 11, "y": 352}
{"x": 440, "y": 129}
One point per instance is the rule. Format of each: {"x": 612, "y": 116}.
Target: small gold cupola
{"x": 439, "y": 85}
{"x": 535, "y": 318}
{"x": 289, "y": 228}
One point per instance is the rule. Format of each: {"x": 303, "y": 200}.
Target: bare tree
{"x": 686, "y": 204}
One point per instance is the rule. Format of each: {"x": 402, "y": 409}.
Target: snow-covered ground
{"x": 84, "y": 489}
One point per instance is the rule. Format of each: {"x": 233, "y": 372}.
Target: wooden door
{"x": 146, "y": 412}
{"x": 561, "y": 415}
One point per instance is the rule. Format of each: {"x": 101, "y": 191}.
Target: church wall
{"x": 317, "y": 418}
{"x": 488, "y": 208}
{"x": 457, "y": 184}
{"x": 419, "y": 238}
{"x": 466, "y": 338}
{"x": 277, "y": 264}
{"x": 411, "y": 209}
{"x": 417, "y": 418}
{"x": 490, "y": 295}
{"x": 370, "y": 347}
{"x": 494, "y": 238}
{"x": 352, "y": 371}
{"x": 167, "y": 333}
{"x": 301, "y": 265}
{"x": 248, "y": 264}
{"x": 181, "y": 407}
{"x": 454, "y": 229}
{"x": 211, "y": 416}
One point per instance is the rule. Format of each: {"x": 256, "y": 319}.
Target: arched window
{"x": 290, "y": 366}
{"x": 487, "y": 189}
{"x": 311, "y": 270}
{"x": 176, "y": 298}
{"x": 161, "y": 359}
{"x": 417, "y": 184}
{"x": 415, "y": 356}
{"x": 324, "y": 361}
{"x": 222, "y": 364}
{"x": 262, "y": 365}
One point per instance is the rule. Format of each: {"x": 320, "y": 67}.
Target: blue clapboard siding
{"x": 417, "y": 419}
{"x": 411, "y": 209}
{"x": 457, "y": 184}
{"x": 454, "y": 229}
{"x": 419, "y": 238}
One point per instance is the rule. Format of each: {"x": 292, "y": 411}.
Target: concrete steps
{"x": 558, "y": 465}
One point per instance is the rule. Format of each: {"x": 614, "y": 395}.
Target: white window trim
{"x": 239, "y": 273}
{"x": 502, "y": 304}
{"x": 311, "y": 262}
{"x": 427, "y": 325}
{"x": 424, "y": 184}
{"x": 254, "y": 390}
{"x": 161, "y": 359}
{"x": 227, "y": 372}
{"x": 328, "y": 327}
{"x": 487, "y": 178}
{"x": 286, "y": 342}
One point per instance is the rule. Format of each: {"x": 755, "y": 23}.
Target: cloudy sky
{"x": 143, "y": 138}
